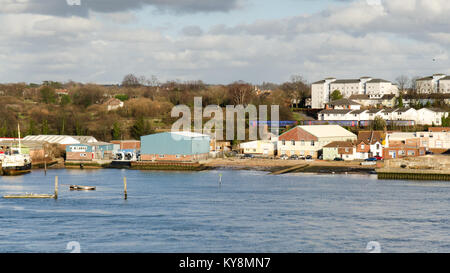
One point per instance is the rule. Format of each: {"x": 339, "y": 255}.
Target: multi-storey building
{"x": 321, "y": 90}
{"x": 438, "y": 83}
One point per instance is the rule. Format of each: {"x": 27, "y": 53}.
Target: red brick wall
{"x": 128, "y": 145}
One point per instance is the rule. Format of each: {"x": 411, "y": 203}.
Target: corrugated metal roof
{"x": 61, "y": 139}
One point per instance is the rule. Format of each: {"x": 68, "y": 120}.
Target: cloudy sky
{"x": 220, "y": 41}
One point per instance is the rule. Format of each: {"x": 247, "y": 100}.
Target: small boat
{"x": 82, "y": 188}
{"x": 13, "y": 162}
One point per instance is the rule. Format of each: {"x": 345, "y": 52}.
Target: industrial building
{"x": 175, "y": 146}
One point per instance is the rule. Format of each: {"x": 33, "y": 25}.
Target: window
{"x": 362, "y": 146}
{"x": 302, "y": 143}
{"x": 293, "y": 142}
{"x": 312, "y": 143}
{"x": 378, "y": 146}
{"x": 411, "y": 153}
{"x": 178, "y": 156}
{"x": 283, "y": 142}
{"x": 161, "y": 156}
{"x": 401, "y": 152}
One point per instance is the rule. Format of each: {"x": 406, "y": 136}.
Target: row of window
{"x": 302, "y": 142}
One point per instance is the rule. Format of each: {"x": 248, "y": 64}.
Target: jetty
{"x": 35, "y": 196}
{"x": 290, "y": 169}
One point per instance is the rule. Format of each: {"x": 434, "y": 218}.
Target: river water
{"x": 248, "y": 211}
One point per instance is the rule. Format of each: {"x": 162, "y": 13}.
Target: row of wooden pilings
{"x": 55, "y": 195}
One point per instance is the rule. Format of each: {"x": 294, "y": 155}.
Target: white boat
{"x": 13, "y": 162}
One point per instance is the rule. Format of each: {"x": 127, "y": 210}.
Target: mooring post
{"x": 125, "y": 187}
{"x": 56, "y": 187}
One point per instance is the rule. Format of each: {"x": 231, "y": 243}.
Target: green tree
{"x": 141, "y": 127}
{"x": 378, "y": 124}
{"x": 116, "y": 131}
{"x": 44, "y": 127}
{"x": 446, "y": 121}
{"x": 65, "y": 100}
{"x": 122, "y": 97}
{"x": 48, "y": 95}
{"x": 4, "y": 129}
{"x": 399, "y": 101}
{"x": 31, "y": 129}
{"x": 336, "y": 95}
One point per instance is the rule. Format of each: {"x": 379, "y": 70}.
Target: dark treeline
{"x": 73, "y": 108}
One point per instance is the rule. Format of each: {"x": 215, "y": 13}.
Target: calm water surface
{"x": 249, "y": 212}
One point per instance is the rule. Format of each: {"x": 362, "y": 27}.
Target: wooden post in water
{"x": 125, "y": 187}
{"x": 56, "y": 187}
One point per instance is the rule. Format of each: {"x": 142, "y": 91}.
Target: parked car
{"x": 371, "y": 159}
{"x": 429, "y": 153}
{"x": 378, "y": 157}
{"x": 309, "y": 157}
{"x": 338, "y": 159}
{"x": 293, "y": 157}
{"x": 320, "y": 157}
{"x": 284, "y": 157}
{"x": 249, "y": 156}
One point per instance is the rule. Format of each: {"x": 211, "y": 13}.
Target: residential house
{"x": 113, "y": 104}
{"x": 341, "y": 149}
{"x": 310, "y": 139}
{"x": 369, "y": 144}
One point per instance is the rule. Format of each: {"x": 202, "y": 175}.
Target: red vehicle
{"x": 378, "y": 158}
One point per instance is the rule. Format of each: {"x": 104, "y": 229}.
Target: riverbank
{"x": 274, "y": 165}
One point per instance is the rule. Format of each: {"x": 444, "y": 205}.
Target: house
{"x": 369, "y": 144}
{"x": 113, "y": 104}
{"x": 61, "y": 92}
{"x": 430, "y": 116}
{"x": 431, "y": 141}
{"x": 175, "y": 146}
{"x": 342, "y": 149}
{"x": 343, "y": 104}
{"x": 218, "y": 146}
{"x": 400, "y": 149}
{"x": 89, "y": 151}
{"x": 310, "y": 139}
{"x": 259, "y": 147}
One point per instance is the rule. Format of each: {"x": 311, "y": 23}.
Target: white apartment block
{"x": 321, "y": 90}
{"x": 424, "y": 116}
{"x": 438, "y": 83}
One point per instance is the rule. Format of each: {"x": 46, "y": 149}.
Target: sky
{"x": 221, "y": 41}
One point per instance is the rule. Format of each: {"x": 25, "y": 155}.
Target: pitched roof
{"x": 348, "y": 81}
{"x": 370, "y": 137}
{"x": 374, "y": 110}
{"x": 343, "y": 102}
{"x": 339, "y": 144}
{"x": 359, "y": 97}
{"x": 335, "y": 111}
{"x": 377, "y": 81}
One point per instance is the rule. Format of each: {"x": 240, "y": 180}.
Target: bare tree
{"x": 131, "y": 80}
{"x": 240, "y": 92}
{"x": 402, "y": 82}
